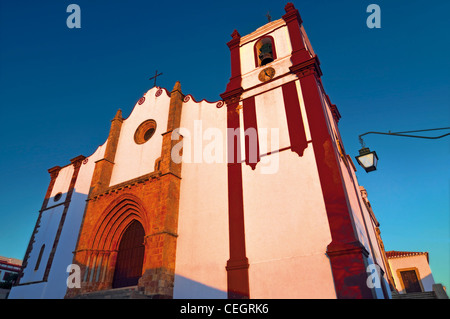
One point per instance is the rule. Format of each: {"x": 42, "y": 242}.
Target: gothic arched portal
{"x": 130, "y": 256}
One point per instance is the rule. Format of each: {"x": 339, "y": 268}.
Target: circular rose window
{"x": 145, "y": 131}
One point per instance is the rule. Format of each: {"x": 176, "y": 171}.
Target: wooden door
{"x": 130, "y": 257}
{"x": 410, "y": 281}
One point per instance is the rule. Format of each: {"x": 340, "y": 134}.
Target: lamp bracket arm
{"x": 406, "y": 135}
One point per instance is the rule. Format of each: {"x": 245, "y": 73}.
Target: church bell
{"x": 265, "y": 53}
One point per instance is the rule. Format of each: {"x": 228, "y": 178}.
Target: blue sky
{"x": 60, "y": 87}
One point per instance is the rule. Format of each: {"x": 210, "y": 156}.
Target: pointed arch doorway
{"x": 130, "y": 256}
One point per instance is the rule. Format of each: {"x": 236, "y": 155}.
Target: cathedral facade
{"x": 252, "y": 196}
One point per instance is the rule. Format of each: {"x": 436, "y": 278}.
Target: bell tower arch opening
{"x": 264, "y": 51}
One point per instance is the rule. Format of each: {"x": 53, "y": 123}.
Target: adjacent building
{"x": 9, "y": 268}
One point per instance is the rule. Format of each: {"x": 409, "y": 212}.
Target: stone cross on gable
{"x": 154, "y": 77}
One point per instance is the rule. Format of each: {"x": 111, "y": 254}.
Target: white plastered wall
{"x": 133, "y": 160}
{"x": 286, "y": 226}
{"x": 55, "y": 287}
{"x": 202, "y": 243}
{"x": 286, "y": 230}
{"x": 48, "y": 227}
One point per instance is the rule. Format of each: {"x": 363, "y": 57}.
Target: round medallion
{"x": 219, "y": 104}
{"x": 266, "y": 74}
{"x": 145, "y": 131}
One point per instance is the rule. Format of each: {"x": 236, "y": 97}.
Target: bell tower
{"x": 276, "y": 84}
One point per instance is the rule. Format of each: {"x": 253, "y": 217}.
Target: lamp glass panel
{"x": 367, "y": 160}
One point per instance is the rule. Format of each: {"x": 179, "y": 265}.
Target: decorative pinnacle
{"x": 289, "y": 7}
{"x": 235, "y": 34}
{"x": 118, "y": 115}
{"x": 177, "y": 87}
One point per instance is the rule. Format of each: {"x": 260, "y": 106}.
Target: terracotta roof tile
{"x": 399, "y": 254}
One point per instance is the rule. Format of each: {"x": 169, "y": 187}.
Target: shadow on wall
{"x": 185, "y": 288}
{"x": 44, "y": 271}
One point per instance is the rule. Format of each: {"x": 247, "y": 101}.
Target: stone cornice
{"x": 265, "y": 29}
{"x": 128, "y": 184}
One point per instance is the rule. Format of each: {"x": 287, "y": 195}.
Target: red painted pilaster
{"x": 294, "y": 118}
{"x": 251, "y": 128}
{"x": 237, "y": 265}
{"x": 348, "y": 257}
{"x": 235, "y": 79}
{"x": 293, "y": 22}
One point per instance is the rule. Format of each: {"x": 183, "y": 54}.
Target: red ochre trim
{"x": 296, "y": 129}
{"x": 160, "y": 90}
{"x": 237, "y": 265}
{"x": 293, "y": 22}
{"x": 235, "y": 80}
{"x": 188, "y": 97}
{"x": 250, "y": 124}
{"x": 348, "y": 257}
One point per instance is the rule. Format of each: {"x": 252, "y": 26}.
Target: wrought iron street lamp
{"x": 368, "y": 160}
